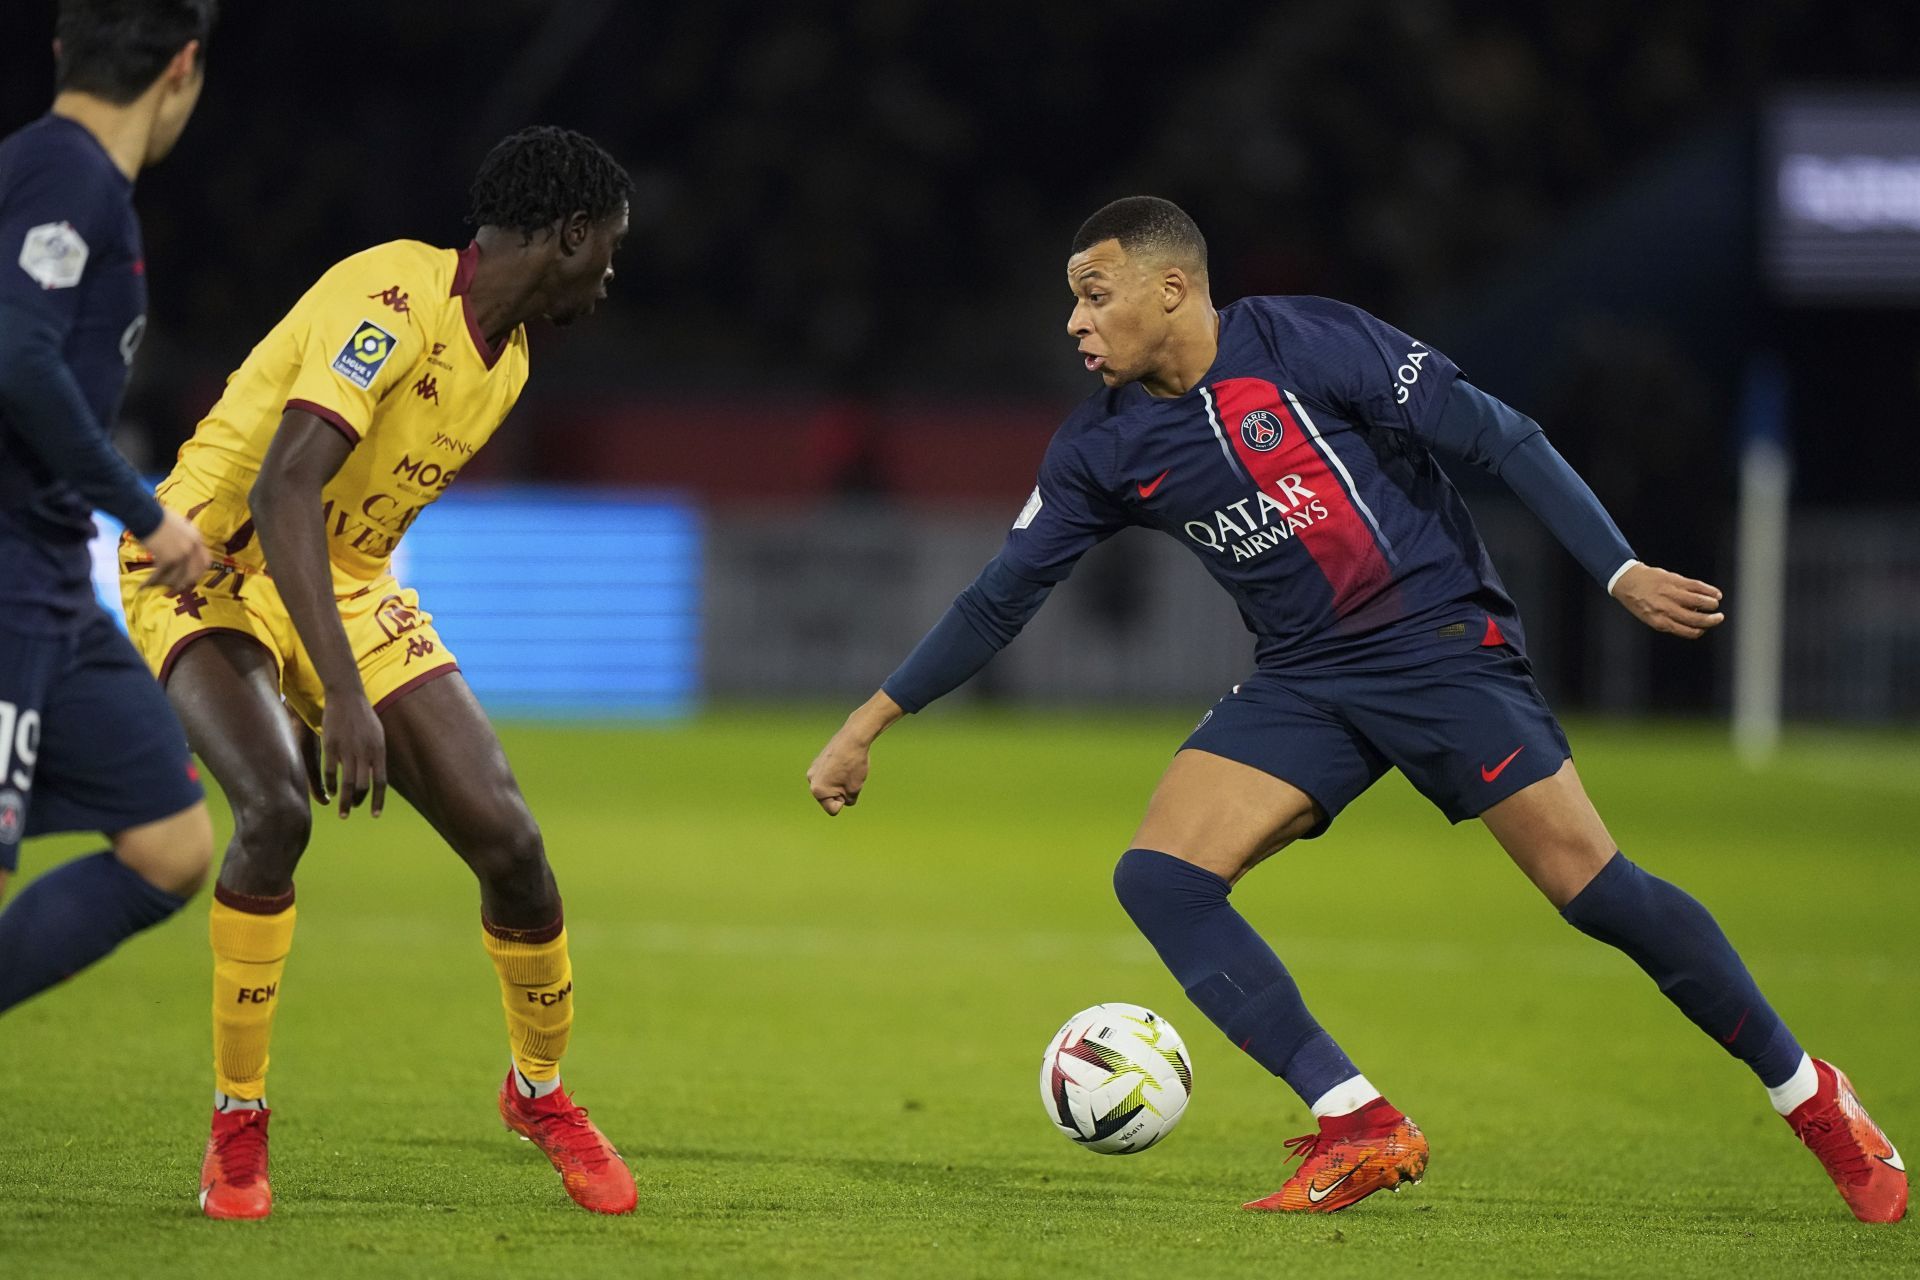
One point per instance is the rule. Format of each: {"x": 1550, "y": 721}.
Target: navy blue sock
{"x": 70, "y": 917}
{"x": 1677, "y": 942}
{"x": 1227, "y": 970}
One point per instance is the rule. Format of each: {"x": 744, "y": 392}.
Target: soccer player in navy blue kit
{"x": 87, "y": 740}
{"x": 1289, "y": 444}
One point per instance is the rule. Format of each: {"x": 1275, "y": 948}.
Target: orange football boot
{"x": 233, "y": 1176}
{"x": 1373, "y": 1149}
{"x": 593, "y": 1173}
{"x": 1857, "y": 1156}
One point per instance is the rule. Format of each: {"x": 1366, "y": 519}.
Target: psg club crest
{"x": 13, "y": 816}
{"x": 1261, "y": 430}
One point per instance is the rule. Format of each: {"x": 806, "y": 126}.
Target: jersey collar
{"x": 463, "y": 271}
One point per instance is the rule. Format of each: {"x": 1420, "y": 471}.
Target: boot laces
{"x": 1831, "y": 1138}
{"x": 242, "y": 1153}
{"x": 568, "y": 1129}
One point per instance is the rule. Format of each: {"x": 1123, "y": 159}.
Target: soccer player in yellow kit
{"x": 343, "y": 424}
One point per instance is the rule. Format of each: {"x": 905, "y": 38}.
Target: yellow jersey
{"x": 384, "y": 347}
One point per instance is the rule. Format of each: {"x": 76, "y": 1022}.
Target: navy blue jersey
{"x": 1298, "y": 471}
{"x": 73, "y": 302}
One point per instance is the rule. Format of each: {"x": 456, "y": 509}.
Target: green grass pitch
{"x": 817, "y": 1040}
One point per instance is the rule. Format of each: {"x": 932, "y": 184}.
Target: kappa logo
{"x": 428, "y": 388}
{"x": 1261, "y": 430}
{"x": 361, "y": 359}
{"x": 393, "y": 297}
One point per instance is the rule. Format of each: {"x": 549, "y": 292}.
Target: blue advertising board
{"x": 558, "y": 603}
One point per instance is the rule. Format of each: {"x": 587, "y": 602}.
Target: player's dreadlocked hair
{"x": 1146, "y": 223}
{"x": 534, "y": 178}
{"x": 116, "y": 49}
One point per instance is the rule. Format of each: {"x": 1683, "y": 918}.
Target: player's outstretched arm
{"x": 305, "y": 454}
{"x": 984, "y": 619}
{"x": 840, "y": 770}
{"x": 45, "y": 405}
{"x": 1482, "y": 430}
{"x": 180, "y": 555}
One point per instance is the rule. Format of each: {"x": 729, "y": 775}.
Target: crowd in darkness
{"x": 876, "y": 196}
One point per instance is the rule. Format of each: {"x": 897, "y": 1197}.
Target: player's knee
{"x": 273, "y": 823}
{"x": 511, "y": 857}
{"x": 172, "y": 854}
{"x": 1135, "y": 878}
{"x": 1149, "y": 884}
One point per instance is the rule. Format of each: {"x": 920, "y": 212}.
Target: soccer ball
{"x": 1116, "y": 1079}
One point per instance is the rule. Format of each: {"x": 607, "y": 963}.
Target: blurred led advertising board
{"x": 558, "y": 604}
{"x": 1840, "y": 197}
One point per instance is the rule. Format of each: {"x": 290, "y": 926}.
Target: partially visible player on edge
{"x": 1288, "y": 443}
{"x": 87, "y": 742}
{"x": 351, "y": 416}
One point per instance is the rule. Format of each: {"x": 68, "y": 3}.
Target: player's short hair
{"x": 534, "y": 178}
{"x": 116, "y": 49}
{"x": 1146, "y": 224}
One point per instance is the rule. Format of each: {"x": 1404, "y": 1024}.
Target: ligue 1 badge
{"x": 1261, "y": 430}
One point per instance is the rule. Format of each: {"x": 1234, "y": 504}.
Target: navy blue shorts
{"x": 1468, "y": 729}
{"x": 87, "y": 740}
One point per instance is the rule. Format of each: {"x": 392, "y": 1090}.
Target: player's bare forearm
{"x": 1669, "y": 602}
{"x": 872, "y": 718}
{"x": 305, "y": 454}
{"x": 286, "y": 504}
{"x": 838, "y": 773}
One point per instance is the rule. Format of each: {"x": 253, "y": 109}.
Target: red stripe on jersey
{"x": 1341, "y": 542}
{"x": 329, "y": 416}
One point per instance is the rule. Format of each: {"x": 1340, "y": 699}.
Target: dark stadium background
{"x": 843, "y": 290}
{"x": 833, "y": 356}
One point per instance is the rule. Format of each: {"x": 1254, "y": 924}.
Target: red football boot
{"x": 1352, "y": 1156}
{"x": 233, "y": 1176}
{"x": 1857, "y": 1156}
{"x": 593, "y": 1173}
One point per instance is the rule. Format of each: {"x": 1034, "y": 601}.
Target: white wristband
{"x": 1618, "y": 574}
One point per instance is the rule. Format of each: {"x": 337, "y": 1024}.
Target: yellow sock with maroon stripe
{"x": 251, "y": 937}
{"x": 536, "y": 988}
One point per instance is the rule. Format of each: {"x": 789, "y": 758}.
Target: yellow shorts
{"x": 392, "y": 637}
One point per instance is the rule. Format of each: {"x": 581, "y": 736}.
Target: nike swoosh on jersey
{"x": 1146, "y": 490}
{"x": 1488, "y": 775}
